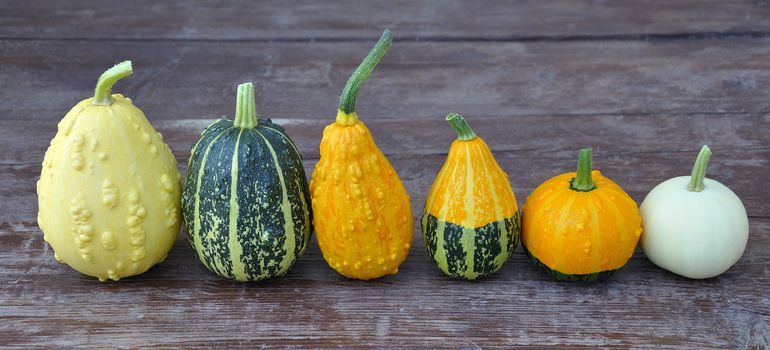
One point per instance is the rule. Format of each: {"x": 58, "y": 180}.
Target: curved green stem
{"x": 357, "y": 79}
{"x": 699, "y": 170}
{"x": 108, "y": 79}
{"x": 464, "y": 131}
{"x": 245, "y": 107}
{"x": 583, "y": 181}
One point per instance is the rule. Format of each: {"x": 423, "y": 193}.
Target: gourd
{"x": 471, "y": 221}
{"x": 363, "y": 219}
{"x": 580, "y": 226}
{"x": 694, "y": 226}
{"x": 109, "y": 189}
{"x": 246, "y": 202}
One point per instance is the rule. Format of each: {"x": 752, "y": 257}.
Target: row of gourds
{"x": 110, "y": 201}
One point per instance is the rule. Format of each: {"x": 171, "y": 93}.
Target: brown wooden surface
{"x": 643, "y": 82}
{"x": 414, "y": 20}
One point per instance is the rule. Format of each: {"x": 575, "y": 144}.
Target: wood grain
{"x": 182, "y": 80}
{"x": 645, "y": 83}
{"x": 356, "y": 20}
{"x": 320, "y": 308}
{"x": 637, "y": 152}
{"x": 179, "y": 303}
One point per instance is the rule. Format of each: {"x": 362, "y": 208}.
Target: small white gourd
{"x": 694, "y": 226}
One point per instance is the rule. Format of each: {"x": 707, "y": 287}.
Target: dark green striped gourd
{"x": 246, "y": 202}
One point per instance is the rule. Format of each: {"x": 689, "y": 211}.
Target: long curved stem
{"x": 464, "y": 131}
{"x": 699, "y": 170}
{"x": 245, "y": 107}
{"x": 108, "y": 79}
{"x": 583, "y": 180}
{"x": 350, "y": 93}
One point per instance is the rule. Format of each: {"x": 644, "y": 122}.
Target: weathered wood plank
{"x": 525, "y": 173}
{"x": 531, "y": 135}
{"x": 181, "y": 80}
{"x": 423, "y": 20}
{"x": 644, "y": 83}
{"x": 178, "y": 303}
{"x": 638, "y": 152}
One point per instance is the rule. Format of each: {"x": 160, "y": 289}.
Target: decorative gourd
{"x": 363, "y": 219}
{"x": 580, "y": 227}
{"x": 471, "y": 219}
{"x": 694, "y": 226}
{"x": 246, "y": 201}
{"x": 109, "y": 189}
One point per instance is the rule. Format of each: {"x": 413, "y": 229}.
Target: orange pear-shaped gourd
{"x": 362, "y": 216}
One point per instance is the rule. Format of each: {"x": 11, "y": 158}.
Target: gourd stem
{"x": 583, "y": 180}
{"x": 464, "y": 131}
{"x": 245, "y": 107}
{"x": 699, "y": 170}
{"x": 108, "y": 79}
{"x": 357, "y": 79}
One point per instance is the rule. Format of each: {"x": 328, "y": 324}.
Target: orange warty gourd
{"x": 580, "y": 226}
{"x": 362, "y": 216}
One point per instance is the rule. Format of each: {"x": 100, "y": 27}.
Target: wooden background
{"x": 645, "y": 83}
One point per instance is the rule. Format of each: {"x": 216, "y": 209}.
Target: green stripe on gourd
{"x": 246, "y": 202}
{"x": 585, "y": 278}
{"x": 469, "y": 253}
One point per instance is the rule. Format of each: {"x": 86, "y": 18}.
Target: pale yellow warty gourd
{"x": 109, "y": 191}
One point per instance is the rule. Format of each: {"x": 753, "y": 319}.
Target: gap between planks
{"x": 630, "y": 37}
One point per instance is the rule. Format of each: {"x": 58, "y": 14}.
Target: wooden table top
{"x": 644, "y": 83}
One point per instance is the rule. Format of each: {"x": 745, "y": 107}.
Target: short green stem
{"x": 583, "y": 181}
{"x": 357, "y": 79}
{"x": 464, "y": 131}
{"x": 699, "y": 170}
{"x": 108, "y": 79}
{"x": 245, "y": 107}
